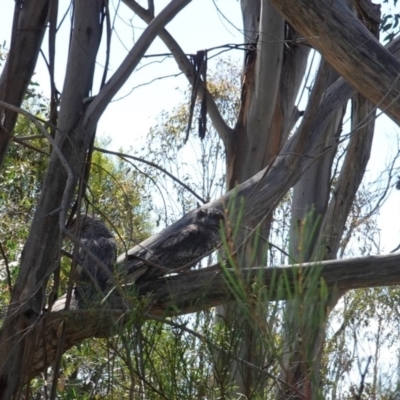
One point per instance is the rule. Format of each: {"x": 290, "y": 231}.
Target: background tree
{"x": 263, "y": 152}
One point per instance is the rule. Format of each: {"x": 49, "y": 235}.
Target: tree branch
{"x": 154, "y": 165}
{"x": 28, "y": 29}
{"x": 101, "y": 101}
{"x": 198, "y": 290}
{"x": 349, "y": 47}
{"x": 186, "y": 67}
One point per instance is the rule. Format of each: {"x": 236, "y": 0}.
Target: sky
{"x": 135, "y": 109}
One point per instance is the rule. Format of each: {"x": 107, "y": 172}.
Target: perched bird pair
{"x": 170, "y": 251}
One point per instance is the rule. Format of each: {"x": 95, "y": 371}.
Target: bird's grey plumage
{"x": 99, "y": 240}
{"x": 176, "y": 249}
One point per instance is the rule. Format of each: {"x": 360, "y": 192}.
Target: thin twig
{"x": 204, "y": 339}
{"x": 123, "y": 155}
{"x": 64, "y": 163}
{"x": 358, "y": 396}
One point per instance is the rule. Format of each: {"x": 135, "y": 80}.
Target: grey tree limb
{"x": 355, "y": 53}
{"x": 28, "y": 29}
{"x": 202, "y": 289}
{"x": 114, "y": 84}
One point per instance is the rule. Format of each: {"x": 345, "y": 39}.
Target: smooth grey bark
{"x": 310, "y": 200}
{"x": 311, "y": 193}
{"x": 264, "y": 90}
{"x": 359, "y": 148}
{"x": 349, "y": 47}
{"x": 253, "y": 142}
{"x": 28, "y": 29}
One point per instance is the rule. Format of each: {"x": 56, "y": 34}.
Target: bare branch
{"x": 186, "y": 67}
{"x": 100, "y": 102}
{"x": 154, "y": 165}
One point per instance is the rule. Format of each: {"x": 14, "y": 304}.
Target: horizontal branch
{"x": 198, "y": 290}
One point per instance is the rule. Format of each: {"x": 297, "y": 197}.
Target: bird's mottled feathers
{"x": 94, "y": 235}
{"x": 182, "y": 248}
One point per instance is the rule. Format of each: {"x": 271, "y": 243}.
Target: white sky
{"x": 197, "y": 27}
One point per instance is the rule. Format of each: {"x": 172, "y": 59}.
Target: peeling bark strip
{"x": 186, "y": 67}
{"x": 198, "y": 290}
{"x": 349, "y": 47}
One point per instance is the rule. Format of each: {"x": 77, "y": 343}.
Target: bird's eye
{"x": 201, "y": 214}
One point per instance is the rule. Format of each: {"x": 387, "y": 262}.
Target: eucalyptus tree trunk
{"x": 39, "y": 257}
{"x": 272, "y": 73}
{"x": 78, "y": 117}
{"x": 302, "y": 346}
{"x": 318, "y": 223}
{"x": 273, "y": 70}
